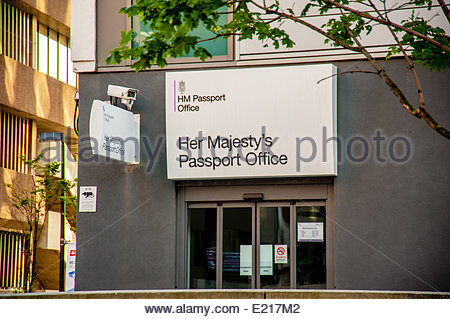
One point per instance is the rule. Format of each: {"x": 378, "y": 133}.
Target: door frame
{"x": 232, "y": 196}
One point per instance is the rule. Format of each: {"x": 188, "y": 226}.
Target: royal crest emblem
{"x": 182, "y": 87}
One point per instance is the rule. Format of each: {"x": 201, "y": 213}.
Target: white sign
{"x": 88, "y": 199}
{"x": 245, "y": 260}
{"x": 70, "y": 266}
{"x": 310, "y": 232}
{"x": 265, "y": 260}
{"x": 281, "y": 254}
{"x": 114, "y": 132}
{"x": 252, "y": 122}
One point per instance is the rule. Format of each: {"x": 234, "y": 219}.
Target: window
{"x": 12, "y": 260}
{"x": 52, "y": 50}
{"x": 53, "y": 55}
{"x": 16, "y": 34}
{"x": 42, "y": 49}
{"x": 15, "y": 141}
{"x": 218, "y": 47}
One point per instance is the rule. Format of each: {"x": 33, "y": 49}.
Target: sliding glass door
{"x": 227, "y": 240}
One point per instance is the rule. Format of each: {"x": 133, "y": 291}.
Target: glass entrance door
{"x": 274, "y": 229}
{"x": 237, "y": 247}
{"x": 287, "y": 240}
{"x": 311, "y": 247}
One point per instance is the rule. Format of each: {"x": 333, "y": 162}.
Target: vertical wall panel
{"x": 72, "y": 76}
{"x": 21, "y": 37}
{"x": 13, "y": 33}
{"x": 12, "y": 142}
{"x": 21, "y": 144}
{"x": 1, "y": 258}
{"x": 34, "y": 42}
{"x": 17, "y": 145}
{"x": 8, "y": 28}
{"x": 16, "y": 34}
{"x": 14, "y": 38}
{"x": 13, "y": 153}
{"x": 26, "y": 40}
{"x": 1, "y": 143}
{"x": 30, "y": 143}
{"x": 16, "y": 140}
{"x": 2, "y": 139}
{"x": 2, "y": 27}
{"x": 8, "y": 141}
{"x": 9, "y": 260}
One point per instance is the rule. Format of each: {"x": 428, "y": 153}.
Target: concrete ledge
{"x": 354, "y": 294}
{"x": 233, "y": 294}
{"x": 55, "y": 13}
{"x": 34, "y": 94}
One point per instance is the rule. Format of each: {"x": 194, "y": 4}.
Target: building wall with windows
{"x": 36, "y": 96}
{"x": 386, "y": 220}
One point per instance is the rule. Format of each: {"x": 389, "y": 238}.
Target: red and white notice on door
{"x": 281, "y": 255}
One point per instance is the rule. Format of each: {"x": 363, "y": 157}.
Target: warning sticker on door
{"x": 281, "y": 255}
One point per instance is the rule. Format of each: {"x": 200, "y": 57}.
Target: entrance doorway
{"x": 256, "y": 244}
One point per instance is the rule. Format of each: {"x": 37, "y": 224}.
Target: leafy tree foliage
{"x": 32, "y": 203}
{"x": 172, "y": 23}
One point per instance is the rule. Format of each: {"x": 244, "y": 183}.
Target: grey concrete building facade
{"x": 385, "y": 213}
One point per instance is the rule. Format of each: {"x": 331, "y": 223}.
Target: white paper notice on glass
{"x": 281, "y": 255}
{"x": 310, "y": 232}
{"x": 266, "y": 260}
{"x": 245, "y": 260}
{"x": 88, "y": 199}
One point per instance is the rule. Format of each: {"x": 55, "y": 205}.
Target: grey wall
{"x": 392, "y": 220}
{"x": 109, "y": 26}
{"x": 129, "y": 242}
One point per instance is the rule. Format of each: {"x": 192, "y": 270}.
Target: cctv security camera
{"x": 126, "y": 95}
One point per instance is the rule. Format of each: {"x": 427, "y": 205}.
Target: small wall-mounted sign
{"x": 88, "y": 199}
{"x": 114, "y": 132}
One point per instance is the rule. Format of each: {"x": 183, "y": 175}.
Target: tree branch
{"x": 344, "y": 72}
{"x": 395, "y": 25}
{"x": 217, "y": 36}
{"x": 445, "y": 8}
{"x": 420, "y": 112}
{"x": 405, "y": 55}
{"x": 309, "y": 25}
